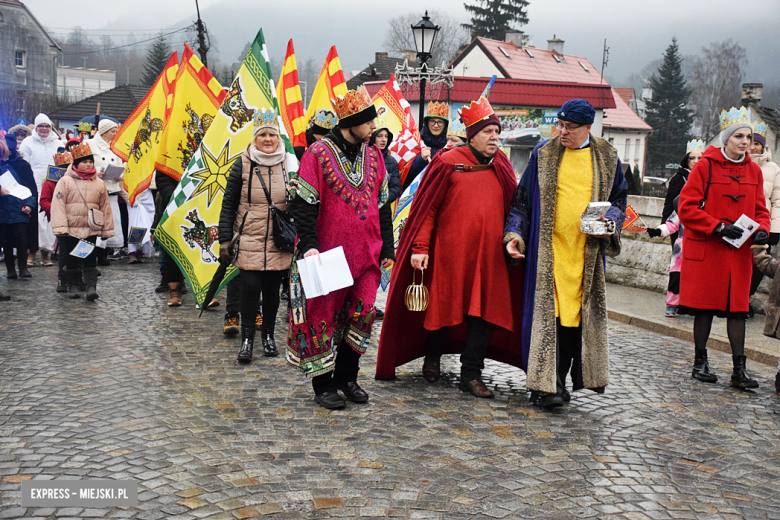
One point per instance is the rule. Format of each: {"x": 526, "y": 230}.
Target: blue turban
{"x": 577, "y": 111}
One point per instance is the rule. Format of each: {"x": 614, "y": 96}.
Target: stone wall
{"x": 644, "y": 261}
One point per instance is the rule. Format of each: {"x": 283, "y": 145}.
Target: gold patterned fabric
{"x": 575, "y": 186}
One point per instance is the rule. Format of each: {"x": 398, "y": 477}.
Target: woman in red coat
{"x": 715, "y": 277}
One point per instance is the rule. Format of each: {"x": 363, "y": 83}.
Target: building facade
{"x": 77, "y": 83}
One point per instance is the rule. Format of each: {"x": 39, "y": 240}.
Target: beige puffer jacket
{"x": 68, "y": 211}
{"x": 257, "y": 251}
{"x": 771, "y": 172}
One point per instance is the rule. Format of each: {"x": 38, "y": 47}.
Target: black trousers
{"x": 124, "y": 216}
{"x": 569, "y": 355}
{"x": 74, "y": 262}
{"x": 345, "y": 371}
{"x": 472, "y": 360}
{"x": 253, "y": 284}
{"x": 172, "y": 271}
{"x": 15, "y": 236}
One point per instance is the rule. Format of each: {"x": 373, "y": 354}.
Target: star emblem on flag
{"x": 213, "y": 173}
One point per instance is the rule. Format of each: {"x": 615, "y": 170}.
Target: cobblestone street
{"x": 128, "y": 388}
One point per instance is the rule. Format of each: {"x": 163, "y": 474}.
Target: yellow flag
{"x": 330, "y": 85}
{"x": 138, "y": 142}
{"x": 198, "y": 97}
{"x": 188, "y": 228}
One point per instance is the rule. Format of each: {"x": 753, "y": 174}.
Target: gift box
{"x": 591, "y": 223}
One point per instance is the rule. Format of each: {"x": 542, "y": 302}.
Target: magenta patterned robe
{"x": 348, "y": 217}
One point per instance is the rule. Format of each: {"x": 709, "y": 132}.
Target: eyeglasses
{"x": 568, "y": 128}
{"x": 436, "y": 122}
{"x": 44, "y": 126}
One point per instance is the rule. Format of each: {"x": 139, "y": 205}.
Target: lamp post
{"x": 424, "y": 33}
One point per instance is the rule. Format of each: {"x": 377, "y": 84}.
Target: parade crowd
{"x": 504, "y": 268}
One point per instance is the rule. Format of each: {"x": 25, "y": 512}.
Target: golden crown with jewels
{"x": 760, "y": 128}
{"x": 440, "y": 110}
{"x": 62, "y": 158}
{"x": 697, "y": 145}
{"x": 80, "y": 150}
{"x": 266, "y": 117}
{"x": 354, "y": 102}
{"x": 734, "y": 116}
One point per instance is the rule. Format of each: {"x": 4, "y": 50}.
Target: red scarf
{"x": 85, "y": 175}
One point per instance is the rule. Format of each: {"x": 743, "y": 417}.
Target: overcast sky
{"x": 636, "y": 32}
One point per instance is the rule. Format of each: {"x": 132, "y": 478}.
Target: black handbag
{"x": 283, "y": 223}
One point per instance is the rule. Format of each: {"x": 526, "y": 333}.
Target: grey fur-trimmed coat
{"x": 532, "y": 219}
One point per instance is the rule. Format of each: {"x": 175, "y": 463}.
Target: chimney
{"x": 379, "y": 55}
{"x": 752, "y": 93}
{"x": 555, "y": 45}
{"x": 516, "y": 37}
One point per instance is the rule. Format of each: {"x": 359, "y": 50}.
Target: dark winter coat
{"x": 10, "y": 206}
{"x": 435, "y": 143}
{"x": 673, "y": 190}
{"x": 391, "y": 165}
{"x": 714, "y": 275}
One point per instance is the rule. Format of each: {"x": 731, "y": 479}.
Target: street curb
{"x": 753, "y": 352}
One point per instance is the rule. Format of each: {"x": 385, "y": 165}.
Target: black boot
{"x": 23, "y": 271}
{"x": 269, "y": 345}
{"x": 74, "y": 283}
{"x": 740, "y": 377}
{"x": 701, "y": 367}
{"x": 247, "y": 343}
{"x": 90, "y": 281}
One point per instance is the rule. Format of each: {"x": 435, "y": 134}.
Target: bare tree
{"x": 450, "y": 39}
{"x": 716, "y": 79}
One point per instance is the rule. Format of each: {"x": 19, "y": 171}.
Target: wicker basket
{"x": 416, "y": 295}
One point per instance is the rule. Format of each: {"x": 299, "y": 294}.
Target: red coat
{"x": 467, "y": 271}
{"x": 47, "y": 192}
{"x": 714, "y": 275}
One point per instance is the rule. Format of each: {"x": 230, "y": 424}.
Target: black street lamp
{"x": 424, "y": 37}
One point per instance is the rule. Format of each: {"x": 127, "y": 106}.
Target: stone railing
{"x": 644, "y": 261}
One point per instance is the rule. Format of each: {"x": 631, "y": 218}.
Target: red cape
{"x": 403, "y": 334}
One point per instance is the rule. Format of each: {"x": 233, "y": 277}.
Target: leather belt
{"x": 472, "y": 167}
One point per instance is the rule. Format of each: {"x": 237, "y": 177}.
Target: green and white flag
{"x": 188, "y": 230}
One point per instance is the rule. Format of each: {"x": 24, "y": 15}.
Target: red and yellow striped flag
{"x": 288, "y": 92}
{"x": 139, "y": 140}
{"x": 198, "y": 97}
{"x": 330, "y": 85}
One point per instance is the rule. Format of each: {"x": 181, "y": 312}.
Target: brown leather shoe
{"x": 174, "y": 297}
{"x": 477, "y": 388}
{"x": 431, "y": 369}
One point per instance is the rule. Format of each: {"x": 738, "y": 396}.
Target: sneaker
{"x": 231, "y": 326}
{"x": 163, "y": 287}
{"x": 671, "y": 312}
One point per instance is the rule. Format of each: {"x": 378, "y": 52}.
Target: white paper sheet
{"x": 749, "y": 225}
{"x": 112, "y": 172}
{"x": 330, "y": 272}
{"x": 8, "y": 182}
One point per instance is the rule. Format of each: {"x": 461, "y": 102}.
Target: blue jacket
{"x": 435, "y": 143}
{"x": 10, "y": 206}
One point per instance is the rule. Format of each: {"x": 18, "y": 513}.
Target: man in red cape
{"x": 454, "y": 233}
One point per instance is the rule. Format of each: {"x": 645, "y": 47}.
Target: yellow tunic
{"x": 575, "y": 187}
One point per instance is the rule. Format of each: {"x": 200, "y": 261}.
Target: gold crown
{"x": 80, "y": 150}
{"x": 62, "y": 158}
{"x": 697, "y": 145}
{"x": 760, "y": 128}
{"x": 456, "y": 128}
{"x": 354, "y": 102}
{"x": 734, "y": 116}
{"x": 440, "y": 110}
{"x": 85, "y": 127}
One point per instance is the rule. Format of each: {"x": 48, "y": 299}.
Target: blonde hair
{"x": 4, "y": 151}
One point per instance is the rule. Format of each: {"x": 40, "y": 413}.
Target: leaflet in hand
{"x": 749, "y": 226}
{"x": 320, "y": 276}
{"x": 8, "y": 182}
{"x": 112, "y": 172}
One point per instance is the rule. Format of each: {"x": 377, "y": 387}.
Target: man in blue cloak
{"x": 564, "y": 295}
